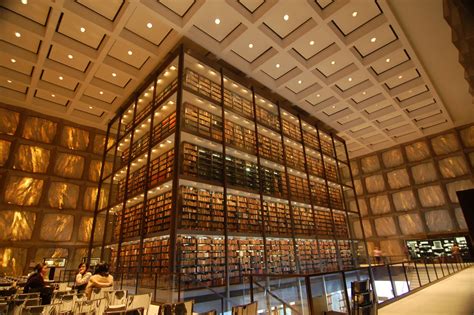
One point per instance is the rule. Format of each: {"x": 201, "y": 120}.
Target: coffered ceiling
{"x": 360, "y": 66}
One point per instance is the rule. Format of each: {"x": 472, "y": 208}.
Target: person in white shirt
{"x": 82, "y": 278}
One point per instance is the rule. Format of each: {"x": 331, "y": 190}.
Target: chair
{"x": 88, "y": 307}
{"x": 182, "y": 308}
{"x": 67, "y": 303}
{"x": 138, "y": 301}
{"x": 118, "y": 297}
{"x": 8, "y": 292}
{"x": 134, "y": 311}
{"x": 211, "y": 312}
{"x": 57, "y": 296}
{"x": 22, "y": 296}
{"x": 3, "y": 307}
{"x": 99, "y": 293}
{"x": 40, "y": 309}
{"x": 247, "y": 309}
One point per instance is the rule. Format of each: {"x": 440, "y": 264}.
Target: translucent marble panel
{"x": 354, "y": 168}
{"x": 31, "y": 159}
{"x": 79, "y": 253}
{"x": 99, "y": 144}
{"x": 410, "y": 224}
{"x": 417, "y": 151}
{"x": 23, "y": 191}
{"x": 57, "y": 227}
{"x": 4, "y": 151}
{"x": 367, "y": 228}
{"x": 68, "y": 165}
{"x": 385, "y": 226}
{"x": 75, "y": 138}
{"x": 445, "y": 144}
{"x": 357, "y": 230}
{"x": 345, "y": 172}
{"x": 404, "y": 200}
{"x": 471, "y": 158}
{"x": 431, "y": 196}
{"x": 85, "y": 229}
{"x": 453, "y": 166}
{"x": 467, "y": 136}
{"x": 439, "y": 221}
{"x": 90, "y": 197}
{"x": 39, "y": 129}
{"x": 370, "y": 164}
{"x": 379, "y": 204}
{"x": 12, "y": 260}
{"x": 63, "y": 195}
{"x": 398, "y": 178}
{"x": 392, "y": 158}
{"x": 8, "y": 121}
{"x": 358, "y": 187}
{"x": 391, "y": 248}
{"x": 424, "y": 173}
{"x": 51, "y": 253}
{"x": 94, "y": 170}
{"x": 456, "y": 186}
{"x": 374, "y": 183}
{"x": 16, "y": 225}
{"x": 362, "y": 206}
{"x": 460, "y": 218}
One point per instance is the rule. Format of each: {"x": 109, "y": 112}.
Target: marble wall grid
{"x": 409, "y": 191}
{"x": 49, "y": 172}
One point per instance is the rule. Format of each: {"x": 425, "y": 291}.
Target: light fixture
{"x": 17, "y": 34}
{"x": 9, "y": 81}
{"x": 373, "y": 39}
{"x": 114, "y": 74}
{"x": 149, "y": 25}
{"x": 333, "y": 62}
{"x": 250, "y": 45}
{"x": 286, "y": 17}
{"x": 349, "y": 79}
{"x": 299, "y": 82}
{"x": 70, "y": 56}
{"x": 13, "y": 60}
{"x": 83, "y": 29}
{"x": 354, "y": 14}
{"x": 101, "y": 92}
{"x": 172, "y": 68}
{"x": 333, "y": 106}
{"x": 61, "y": 78}
{"x": 52, "y": 95}
{"x": 217, "y": 21}
{"x": 318, "y": 95}
{"x": 130, "y": 52}
{"x": 363, "y": 93}
{"x": 311, "y": 42}
{"x": 24, "y": 1}
{"x": 387, "y": 60}
{"x": 400, "y": 76}
{"x": 277, "y": 65}
{"x": 90, "y": 107}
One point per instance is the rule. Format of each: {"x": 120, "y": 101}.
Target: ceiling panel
{"x": 108, "y": 9}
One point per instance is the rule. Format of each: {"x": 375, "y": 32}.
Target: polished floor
{"x": 451, "y": 296}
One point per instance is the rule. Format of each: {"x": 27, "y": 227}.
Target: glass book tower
{"x": 204, "y": 175}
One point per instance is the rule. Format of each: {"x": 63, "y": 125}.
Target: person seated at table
{"x": 36, "y": 283}
{"x": 100, "y": 279}
{"x": 82, "y": 278}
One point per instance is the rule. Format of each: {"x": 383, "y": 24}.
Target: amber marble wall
{"x": 409, "y": 191}
{"x": 49, "y": 169}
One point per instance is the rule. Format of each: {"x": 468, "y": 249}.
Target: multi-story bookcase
{"x": 215, "y": 180}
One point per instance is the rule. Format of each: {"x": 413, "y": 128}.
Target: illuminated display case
{"x": 213, "y": 179}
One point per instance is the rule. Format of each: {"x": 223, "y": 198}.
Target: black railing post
{"x": 434, "y": 267}
{"x": 394, "y": 291}
{"x": 156, "y": 284}
{"x": 251, "y": 289}
{"x": 345, "y": 292}
{"x": 427, "y": 273}
{"x": 406, "y": 278}
{"x": 442, "y": 270}
{"x": 417, "y": 274}
{"x": 309, "y": 295}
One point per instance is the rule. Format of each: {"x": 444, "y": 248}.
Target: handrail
{"x": 276, "y": 297}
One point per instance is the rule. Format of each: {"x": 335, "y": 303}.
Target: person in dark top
{"x": 35, "y": 283}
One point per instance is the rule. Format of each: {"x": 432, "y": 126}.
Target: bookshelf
{"x": 215, "y": 181}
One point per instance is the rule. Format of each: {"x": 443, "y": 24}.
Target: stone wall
{"x": 49, "y": 170}
{"x": 409, "y": 191}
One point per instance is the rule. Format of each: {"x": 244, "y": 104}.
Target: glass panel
{"x": 399, "y": 280}
{"x": 422, "y": 273}
{"x": 328, "y": 294}
{"x": 432, "y": 271}
{"x": 383, "y": 285}
{"x": 412, "y": 276}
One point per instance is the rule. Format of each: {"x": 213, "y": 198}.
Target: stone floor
{"x": 451, "y": 296}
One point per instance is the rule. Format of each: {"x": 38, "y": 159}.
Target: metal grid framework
{"x": 123, "y": 137}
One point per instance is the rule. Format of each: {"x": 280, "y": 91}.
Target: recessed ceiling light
{"x": 250, "y": 45}
{"x": 299, "y": 82}
{"x": 70, "y": 56}
{"x": 90, "y": 107}
{"x": 277, "y": 65}
{"x": 17, "y": 34}
{"x": 52, "y": 95}
{"x": 400, "y": 76}
{"x": 9, "y": 81}
{"x": 373, "y": 39}
{"x": 24, "y": 1}
{"x": 101, "y": 92}
{"x": 217, "y": 21}
{"x": 318, "y": 95}
{"x": 130, "y": 52}
{"x": 363, "y": 93}
{"x": 333, "y": 62}
{"x": 83, "y": 29}
{"x": 311, "y": 42}
{"x": 61, "y": 78}
{"x": 114, "y": 74}
{"x": 286, "y": 17}
{"x": 333, "y": 106}
{"x": 387, "y": 60}
{"x": 13, "y": 60}
{"x": 149, "y": 25}
{"x": 354, "y": 14}
{"x": 349, "y": 79}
